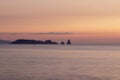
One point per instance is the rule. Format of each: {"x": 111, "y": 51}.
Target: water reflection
{"x": 56, "y": 63}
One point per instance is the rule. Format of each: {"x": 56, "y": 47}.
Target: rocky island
{"x": 48, "y": 42}
{"x": 26, "y": 41}
{"x": 68, "y": 42}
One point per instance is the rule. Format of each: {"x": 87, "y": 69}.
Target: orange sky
{"x": 74, "y": 16}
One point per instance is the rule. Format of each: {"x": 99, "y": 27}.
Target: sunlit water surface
{"x": 57, "y": 62}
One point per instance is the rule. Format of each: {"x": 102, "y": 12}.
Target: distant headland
{"x": 27, "y": 41}
{"x": 48, "y": 42}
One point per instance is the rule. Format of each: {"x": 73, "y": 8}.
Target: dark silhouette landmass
{"x": 26, "y": 41}
{"x": 4, "y": 42}
{"x": 68, "y": 42}
{"x": 62, "y": 43}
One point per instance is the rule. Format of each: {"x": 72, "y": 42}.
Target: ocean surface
{"x": 59, "y": 62}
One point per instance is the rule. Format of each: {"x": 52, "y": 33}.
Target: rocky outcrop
{"x": 62, "y": 43}
{"x": 68, "y": 42}
{"x": 26, "y": 41}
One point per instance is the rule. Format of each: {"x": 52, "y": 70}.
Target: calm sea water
{"x": 57, "y": 62}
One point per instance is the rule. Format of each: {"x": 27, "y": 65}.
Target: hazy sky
{"x": 74, "y": 16}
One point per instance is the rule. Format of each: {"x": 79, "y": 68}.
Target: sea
{"x": 59, "y": 62}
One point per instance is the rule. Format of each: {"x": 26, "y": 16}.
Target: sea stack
{"x": 68, "y": 42}
{"x": 62, "y": 43}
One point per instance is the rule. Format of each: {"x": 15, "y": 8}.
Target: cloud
{"x": 48, "y": 33}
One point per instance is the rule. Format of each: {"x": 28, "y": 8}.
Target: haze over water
{"x": 83, "y": 22}
{"x": 57, "y": 62}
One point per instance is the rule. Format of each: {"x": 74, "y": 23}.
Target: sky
{"x": 84, "y": 21}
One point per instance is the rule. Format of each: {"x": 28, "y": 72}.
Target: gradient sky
{"x": 98, "y": 18}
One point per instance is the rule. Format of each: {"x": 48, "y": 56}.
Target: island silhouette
{"x": 27, "y": 41}
{"x": 68, "y": 42}
{"x": 62, "y": 43}
{"x": 48, "y": 42}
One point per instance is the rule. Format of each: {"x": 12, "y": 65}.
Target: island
{"x": 27, "y": 41}
{"x": 68, "y": 42}
{"x": 62, "y": 43}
